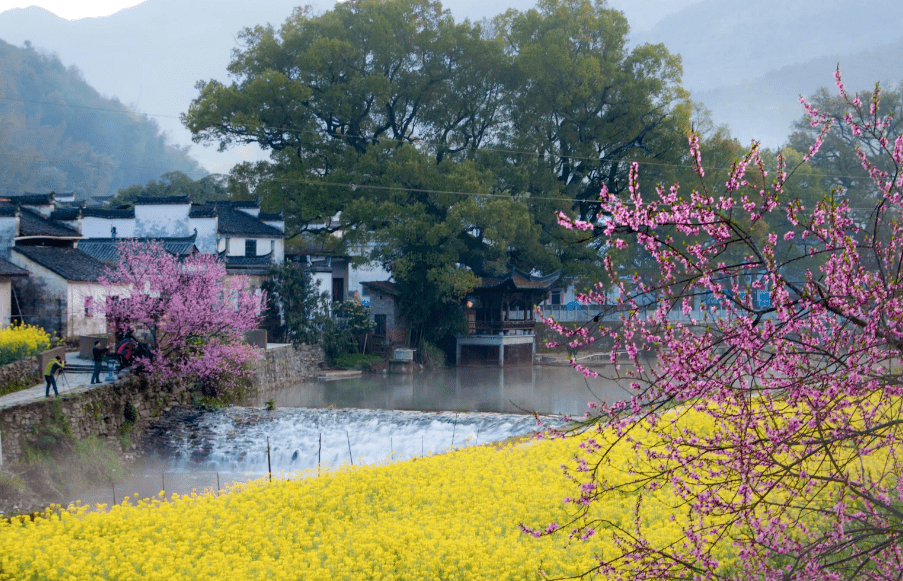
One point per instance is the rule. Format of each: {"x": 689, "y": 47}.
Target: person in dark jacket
{"x": 54, "y": 366}
{"x": 98, "y": 353}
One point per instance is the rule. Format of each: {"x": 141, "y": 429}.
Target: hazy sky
{"x": 640, "y": 14}
{"x": 73, "y": 9}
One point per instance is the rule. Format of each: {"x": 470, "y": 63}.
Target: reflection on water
{"x": 523, "y": 389}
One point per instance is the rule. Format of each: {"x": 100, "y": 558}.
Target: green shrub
{"x": 57, "y": 463}
{"x": 357, "y": 361}
{"x": 16, "y": 385}
{"x": 430, "y": 355}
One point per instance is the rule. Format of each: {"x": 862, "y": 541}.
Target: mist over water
{"x": 543, "y": 389}
{"x": 367, "y": 420}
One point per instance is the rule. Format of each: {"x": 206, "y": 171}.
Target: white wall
{"x": 236, "y": 247}
{"x": 78, "y": 322}
{"x": 94, "y": 227}
{"x": 160, "y": 220}
{"x": 206, "y": 227}
{"x": 365, "y": 273}
{"x": 6, "y": 291}
{"x": 9, "y": 229}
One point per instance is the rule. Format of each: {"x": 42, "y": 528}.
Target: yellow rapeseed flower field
{"x": 18, "y": 341}
{"x": 447, "y": 517}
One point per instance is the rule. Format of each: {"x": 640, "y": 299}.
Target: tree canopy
{"x": 449, "y": 143}
{"x": 175, "y": 183}
{"x": 195, "y": 316}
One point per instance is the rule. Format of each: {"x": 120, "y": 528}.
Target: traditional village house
{"x": 61, "y": 292}
{"x": 391, "y": 328}
{"x": 8, "y": 273}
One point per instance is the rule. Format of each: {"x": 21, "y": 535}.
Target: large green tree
{"x": 449, "y": 143}
{"x": 175, "y": 183}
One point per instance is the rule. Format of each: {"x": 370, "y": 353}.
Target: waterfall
{"x": 234, "y": 440}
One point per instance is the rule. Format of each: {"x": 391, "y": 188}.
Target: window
{"x": 380, "y": 325}
{"x": 555, "y": 299}
{"x": 89, "y": 306}
{"x": 250, "y": 248}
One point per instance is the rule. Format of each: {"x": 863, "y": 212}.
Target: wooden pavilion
{"x": 500, "y": 313}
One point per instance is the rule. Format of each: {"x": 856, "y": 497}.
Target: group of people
{"x": 57, "y": 366}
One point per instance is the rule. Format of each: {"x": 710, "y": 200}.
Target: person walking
{"x": 50, "y": 370}
{"x": 98, "y": 353}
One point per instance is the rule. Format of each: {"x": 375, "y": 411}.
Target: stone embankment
{"x": 107, "y": 411}
{"x": 22, "y": 372}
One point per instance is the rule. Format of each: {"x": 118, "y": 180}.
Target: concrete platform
{"x": 336, "y": 374}
{"x": 68, "y": 383}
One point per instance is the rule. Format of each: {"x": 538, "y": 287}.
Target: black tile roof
{"x": 30, "y": 199}
{"x": 7, "y": 268}
{"x": 107, "y": 249}
{"x": 33, "y": 224}
{"x": 246, "y": 260}
{"x": 236, "y": 222}
{"x": 202, "y": 212}
{"x": 7, "y": 210}
{"x": 151, "y": 200}
{"x": 238, "y": 203}
{"x": 388, "y": 287}
{"x": 267, "y": 217}
{"x": 70, "y": 263}
{"x": 104, "y": 213}
{"x": 519, "y": 279}
{"x": 64, "y": 214}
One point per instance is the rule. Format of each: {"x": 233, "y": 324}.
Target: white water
{"x": 234, "y": 440}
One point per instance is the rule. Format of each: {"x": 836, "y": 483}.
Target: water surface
{"x": 542, "y": 389}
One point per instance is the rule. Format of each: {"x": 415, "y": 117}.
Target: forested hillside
{"x": 59, "y": 134}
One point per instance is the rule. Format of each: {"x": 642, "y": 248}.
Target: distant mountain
{"x": 58, "y": 134}
{"x": 724, "y": 42}
{"x": 151, "y": 55}
{"x": 770, "y": 103}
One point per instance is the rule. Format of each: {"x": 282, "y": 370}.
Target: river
{"x": 365, "y": 420}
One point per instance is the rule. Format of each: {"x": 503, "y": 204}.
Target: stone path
{"x": 69, "y": 383}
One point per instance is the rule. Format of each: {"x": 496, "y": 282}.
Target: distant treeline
{"x": 59, "y": 134}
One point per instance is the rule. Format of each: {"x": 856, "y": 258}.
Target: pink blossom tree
{"x": 787, "y": 342}
{"x": 195, "y": 314}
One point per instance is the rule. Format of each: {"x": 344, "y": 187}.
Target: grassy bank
{"x": 56, "y": 465}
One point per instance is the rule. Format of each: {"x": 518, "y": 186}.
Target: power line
{"x": 124, "y": 109}
{"x": 642, "y": 161}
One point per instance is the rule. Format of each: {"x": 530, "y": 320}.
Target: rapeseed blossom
{"x": 19, "y": 341}
{"x": 450, "y": 516}
{"x": 460, "y": 515}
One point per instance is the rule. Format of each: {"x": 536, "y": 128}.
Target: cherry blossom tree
{"x": 766, "y": 376}
{"x": 195, "y": 315}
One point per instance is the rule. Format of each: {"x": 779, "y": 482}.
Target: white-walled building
{"x": 8, "y": 273}
{"x": 61, "y": 293}
{"x": 57, "y": 252}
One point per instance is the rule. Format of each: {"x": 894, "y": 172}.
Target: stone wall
{"x": 101, "y": 412}
{"x": 286, "y": 365}
{"x": 24, "y": 372}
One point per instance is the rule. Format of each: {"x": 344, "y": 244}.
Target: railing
{"x": 496, "y": 327}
